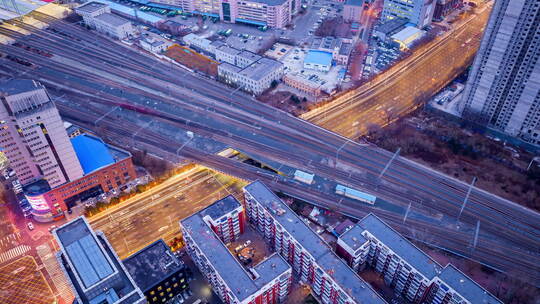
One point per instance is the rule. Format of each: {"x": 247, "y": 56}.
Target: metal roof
{"x": 354, "y": 192}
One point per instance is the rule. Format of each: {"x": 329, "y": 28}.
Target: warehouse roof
{"x": 112, "y": 19}
{"x": 90, "y": 7}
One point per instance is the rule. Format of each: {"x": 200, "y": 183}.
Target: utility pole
{"x": 475, "y": 241}
{"x": 466, "y": 198}
{"x": 389, "y": 162}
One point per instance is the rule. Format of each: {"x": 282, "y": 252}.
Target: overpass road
{"x": 96, "y": 74}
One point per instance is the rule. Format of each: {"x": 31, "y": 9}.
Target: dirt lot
{"x": 285, "y": 101}
{"x": 192, "y": 59}
{"x": 449, "y": 148}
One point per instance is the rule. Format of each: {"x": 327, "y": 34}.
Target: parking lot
{"x": 22, "y": 282}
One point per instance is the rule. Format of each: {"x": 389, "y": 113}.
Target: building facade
{"x": 33, "y": 136}
{"x": 271, "y": 13}
{"x": 353, "y": 10}
{"x": 503, "y": 89}
{"x": 267, "y": 282}
{"x": 98, "y": 16}
{"x": 94, "y": 271}
{"x": 250, "y": 72}
{"x": 418, "y": 12}
{"x": 315, "y": 264}
{"x": 408, "y": 270}
{"x": 444, "y": 8}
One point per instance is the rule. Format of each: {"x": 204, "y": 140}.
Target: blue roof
{"x": 318, "y": 57}
{"x": 91, "y": 152}
{"x": 254, "y": 22}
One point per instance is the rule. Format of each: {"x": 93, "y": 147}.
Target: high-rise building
{"x": 92, "y": 267}
{"x": 55, "y": 170}
{"x": 418, "y": 12}
{"x": 33, "y": 136}
{"x": 503, "y": 90}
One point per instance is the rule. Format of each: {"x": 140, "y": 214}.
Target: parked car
{"x": 30, "y": 226}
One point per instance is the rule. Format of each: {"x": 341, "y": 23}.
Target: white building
{"x": 33, "y": 136}
{"x": 255, "y": 77}
{"x": 418, "y": 12}
{"x": 407, "y": 36}
{"x": 98, "y": 16}
{"x": 154, "y": 45}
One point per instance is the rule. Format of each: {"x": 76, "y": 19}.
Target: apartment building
{"x": 407, "y": 269}
{"x": 94, "y": 271}
{"x": 353, "y": 10}
{"x": 314, "y": 262}
{"x": 267, "y": 282}
{"x": 33, "y": 136}
{"x": 418, "y": 12}
{"x": 503, "y": 89}
{"x": 99, "y": 17}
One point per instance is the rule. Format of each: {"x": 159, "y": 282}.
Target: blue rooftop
{"x": 131, "y": 11}
{"x": 428, "y": 267}
{"x": 91, "y": 152}
{"x": 318, "y": 57}
{"x": 343, "y": 275}
{"x": 466, "y": 287}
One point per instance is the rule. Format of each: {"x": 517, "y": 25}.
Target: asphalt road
{"x": 96, "y": 74}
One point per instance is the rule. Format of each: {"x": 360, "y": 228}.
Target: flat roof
{"x": 406, "y": 33}
{"x": 82, "y": 249}
{"x": 112, "y": 19}
{"x": 391, "y": 25}
{"x": 353, "y": 237}
{"x": 228, "y": 50}
{"x": 249, "y": 55}
{"x": 355, "y": 192}
{"x": 260, "y": 68}
{"x": 91, "y": 152}
{"x": 130, "y": 11}
{"x": 90, "y": 7}
{"x": 354, "y": 2}
{"x": 318, "y": 57}
{"x": 427, "y": 266}
{"x": 221, "y": 207}
{"x": 239, "y": 281}
{"x": 152, "y": 264}
{"x": 466, "y": 287}
{"x": 17, "y": 86}
{"x": 269, "y": 2}
{"x": 343, "y": 275}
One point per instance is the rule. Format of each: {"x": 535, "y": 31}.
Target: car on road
{"x": 247, "y": 243}
{"x": 30, "y": 226}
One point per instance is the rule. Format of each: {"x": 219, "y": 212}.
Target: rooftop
{"x": 353, "y": 237}
{"x": 406, "y": 33}
{"x": 345, "y": 49}
{"x": 354, "y": 2}
{"x": 466, "y": 287}
{"x": 318, "y": 57}
{"x": 428, "y": 267}
{"x": 17, "y": 86}
{"x": 240, "y": 282}
{"x": 228, "y": 50}
{"x": 152, "y": 264}
{"x": 327, "y": 42}
{"x": 91, "y": 152}
{"x": 270, "y": 2}
{"x": 112, "y": 19}
{"x": 129, "y": 11}
{"x": 221, "y": 207}
{"x": 392, "y": 25}
{"x": 260, "y": 68}
{"x": 344, "y": 276}
{"x": 82, "y": 249}
{"x": 249, "y": 55}
{"x": 90, "y": 7}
